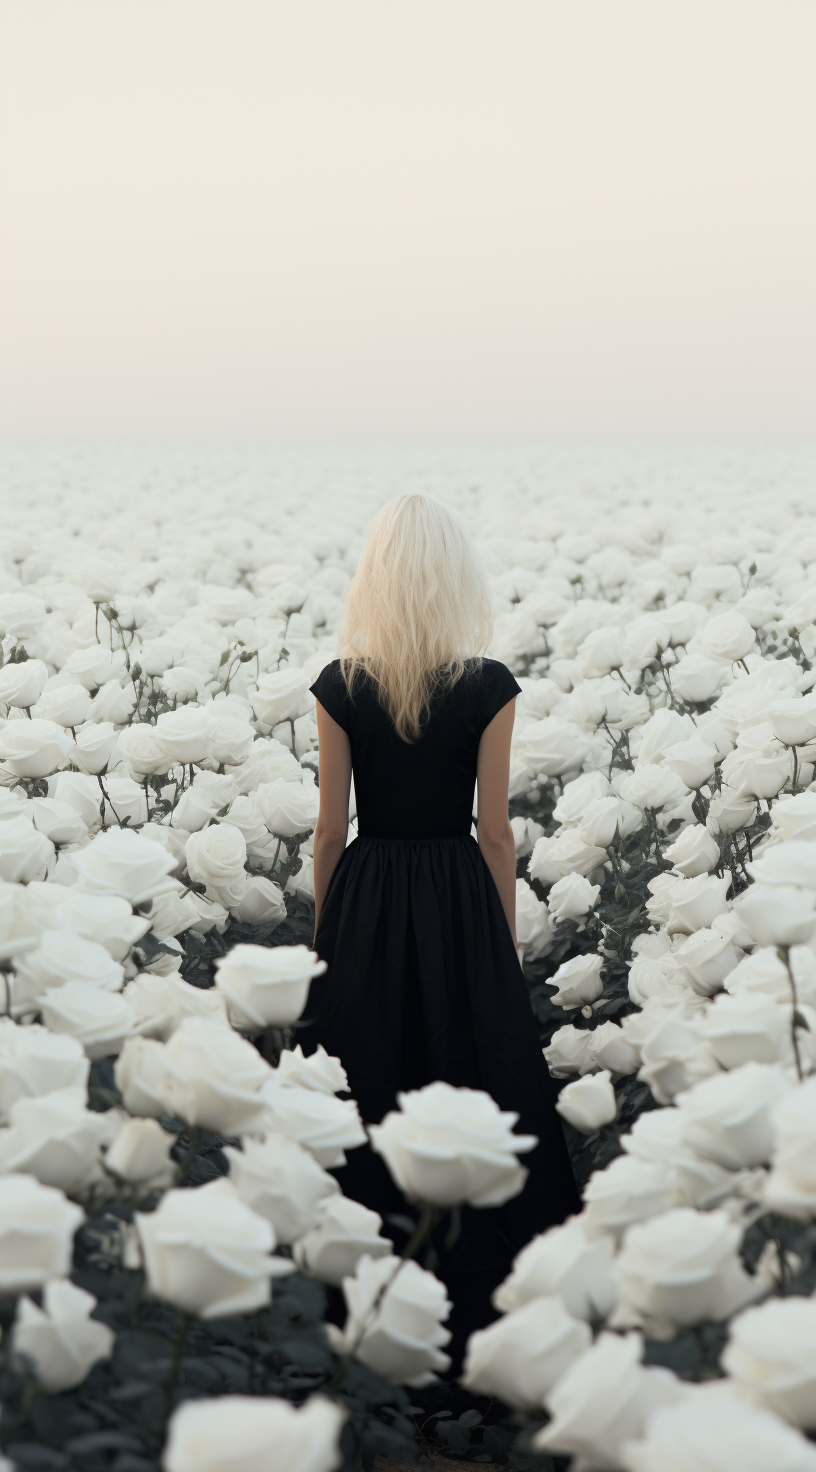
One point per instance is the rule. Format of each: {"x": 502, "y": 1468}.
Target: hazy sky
{"x": 435, "y": 218}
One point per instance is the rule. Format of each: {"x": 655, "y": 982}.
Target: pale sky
{"x": 479, "y": 219}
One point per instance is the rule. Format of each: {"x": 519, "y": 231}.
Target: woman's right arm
{"x": 494, "y": 834}
{"x": 331, "y": 833}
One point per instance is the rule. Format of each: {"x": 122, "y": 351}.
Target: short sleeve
{"x": 499, "y": 687}
{"x": 330, "y": 689}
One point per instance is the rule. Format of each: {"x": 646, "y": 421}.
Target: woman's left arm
{"x": 331, "y": 833}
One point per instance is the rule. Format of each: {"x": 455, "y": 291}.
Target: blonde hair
{"x": 417, "y": 608}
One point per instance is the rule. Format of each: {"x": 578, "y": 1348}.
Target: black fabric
{"x": 423, "y": 981}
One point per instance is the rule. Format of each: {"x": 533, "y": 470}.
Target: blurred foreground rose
{"x": 236, "y": 1433}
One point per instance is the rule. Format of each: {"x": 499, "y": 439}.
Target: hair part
{"x": 417, "y": 609}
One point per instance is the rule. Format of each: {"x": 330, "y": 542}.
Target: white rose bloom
{"x": 693, "y": 761}
{"x": 730, "y": 811}
{"x": 281, "y": 1181}
{"x": 184, "y": 734}
{"x": 578, "y": 981}
{"x": 572, "y": 897}
{"x": 100, "y": 1020}
{"x": 53, "y": 1137}
{"x": 34, "y": 748}
{"x": 343, "y": 1232}
{"x": 719, "y": 1432}
{"x": 568, "y": 1052}
{"x": 778, "y": 914}
{"x": 604, "y": 1399}
{"x": 323, "y": 1124}
{"x": 34, "y": 1061}
{"x": 20, "y": 928}
{"x": 142, "y": 1073}
{"x": 145, "y": 756}
{"x": 446, "y": 1145}
{"x": 196, "y": 807}
{"x": 683, "y": 1268}
{"x": 288, "y": 808}
{"x": 525, "y": 833}
{"x": 60, "y": 1341}
{"x": 758, "y": 773}
{"x": 765, "y": 973}
{"x": 231, "y": 737}
{"x": 80, "y": 792}
{"x": 696, "y": 903}
{"x": 664, "y": 729}
{"x": 403, "y": 1337}
{"x": 233, "y": 1433}
{"x": 161, "y": 1003}
{"x": 141, "y": 1154}
{"x": 63, "y": 956}
{"x": 319, "y": 1071}
{"x": 727, "y": 1118}
{"x": 44, "y": 1248}
{"x": 65, "y": 704}
{"x": 790, "y": 863}
{"x": 118, "y": 862}
{"x": 694, "y": 852}
{"x": 258, "y": 901}
{"x": 266, "y": 985}
{"x": 600, "y": 822}
{"x": 578, "y": 795}
{"x": 588, "y": 1103}
{"x": 25, "y": 854}
{"x": 706, "y": 959}
{"x": 95, "y": 666}
{"x": 172, "y": 914}
{"x": 268, "y": 760}
{"x": 215, "y": 1077}
{"x": 643, "y": 638}
{"x": 696, "y": 678}
{"x": 532, "y": 923}
{"x": 629, "y": 1189}
{"x": 243, "y": 814}
{"x": 215, "y": 858}
{"x": 57, "y": 820}
{"x": 653, "y": 786}
{"x": 794, "y": 817}
{"x": 727, "y": 636}
{"x": 791, "y": 1185}
{"x": 653, "y": 977}
{"x": 771, "y": 1354}
{"x": 601, "y": 651}
{"x": 21, "y": 685}
{"x": 520, "y": 1356}
{"x": 552, "y": 746}
{"x": 563, "y": 1260}
{"x": 794, "y": 721}
{"x": 675, "y": 1054}
{"x": 208, "y": 1253}
{"x": 279, "y": 695}
{"x": 96, "y": 746}
{"x": 302, "y": 882}
{"x": 21, "y": 615}
{"x": 609, "y": 1048}
{"x": 107, "y": 919}
{"x": 567, "y": 853}
{"x": 113, "y": 703}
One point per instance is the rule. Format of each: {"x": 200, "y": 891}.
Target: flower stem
{"x": 178, "y": 1352}
{"x": 196, "y": 1135}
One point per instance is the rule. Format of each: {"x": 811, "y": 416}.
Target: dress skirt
{"x": 423, "y": 983}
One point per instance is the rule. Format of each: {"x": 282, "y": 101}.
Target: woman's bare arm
{"x": 495, "y": 836}
{"x": 331, "y": 833}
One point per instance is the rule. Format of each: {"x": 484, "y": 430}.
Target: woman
{"x": 415, "y": 919}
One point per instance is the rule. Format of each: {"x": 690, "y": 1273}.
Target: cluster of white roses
{"x": 157, "y": 745}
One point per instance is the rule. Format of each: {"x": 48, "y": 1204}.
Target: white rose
{"x": 24, "y": 853}
{"x": 171, "y": 914}
{"x": 258, "y": 902}
{"x": 60, "y": 1341}
{"x": 113, "y": 703}
{"x": 80, "y": 792}
{"x": 237, "y": 1431}
{"x": 706, "y": 958}
{"x": 21, "y": 685}
{"x": 588, "y": 1103}
{"x": 794, "y": 721}
{"x": 143, "y": 753}
{"x": 568, "y": 1052}
{"x": 196, "y": 807}
{"x": 318, "y": 1071}
{"x": 696, "y": 678}
{"x": 118, "y": 862}
{"x": 100, "y": 1020}
{"x": 21, "y": 615}
{"x": 764, "y": 972}
{"x": 95, "y": 665}
{"x": 552, "y": 747}
{"x": 601, "y": 651}
{"x": 758, "y": 773}
{"x": 215, "y": 1076}
{"x": 727, "y": 636}
{"x": 279, "y": 695}
{"x": 578, "y": 981}
{"x": 532, "y": 923}
{"x": 288, "y": 808}
{"x": 778, "y": 914}
{"x": 344, "y": 1231}
{"x": 563, "y": 1260}
{"x": 266, "y": 985}
{"x": 525, "y": 833}
{"x": 63, "y": 956}
{"x": 675, "y": 1055}
{"x": 141, "y": 1154}
{"x": 20, "y": 928}
{"x": 644, "y": 637}
{"x": 208, "y": 1253}
{"x": 65, "y": 704}
{"x": 231, "y": 736}
{"x": 215, "y": 858}
{"x": 302, "y": 882}
{"x": 53, "y": 1137}
{"x": 627, "y": 1190}
{"x": 600, "y": 822}
{"x": 695, "y": 903}
{"x": 719, "y": 1432}
{"x": 730, "y": 812}
{"x": 44, "y": 1249}
{"x": 34, "y": 1061}
{"x": 34, "y": 748}
{"x": 106, "y": 919}
{"x": 323, "y": 1124}
{"x": 655, "y": 977}
{"x": 403, "y": 1335}
{"x": 792, "y": 862}
{"x": 161, "y": 1003}
{"x": 794, "y": 817}
{"x": 608, "y": 1048}
{"x": 520, "y": 1356}
{"x": 567, "y": 853}
{"x": 771, "y": 1354}
{"x": 95, "y": 747}
{"x": 664, "y": 729}
{"x": 142, "y": 1072}
{"x": 605, "y": 1398}
{"x": 791, "y": 1185}
{"x": 281, "y": 1181}
{"x": 184, "y": 734}
{"x": 267, "y": 761}
{"x": 653, "y": 786}
{"x": 694, "y": 852}
{"x": 727, "y": 1118}
{"x": 446, "y": 1145}
{"x": 243, "y": 813}
{"x": 57, "y": 820}
{"x": 693, "y": 761}
{"x": 578, "y": 795}
{"x": 683, "y": 1268}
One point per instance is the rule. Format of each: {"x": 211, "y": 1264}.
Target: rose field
{"x": 182, "y": 1284}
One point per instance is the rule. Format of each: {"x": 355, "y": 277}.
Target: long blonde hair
{"x": 417, "y": 608}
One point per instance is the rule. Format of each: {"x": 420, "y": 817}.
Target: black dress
{"x": 423, "y": 979}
